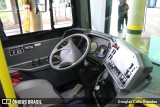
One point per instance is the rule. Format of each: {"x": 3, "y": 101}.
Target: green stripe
{"x": 137, "y": 32}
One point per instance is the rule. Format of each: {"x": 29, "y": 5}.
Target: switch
{"x": 122, "y": 77}
{"x": 33, "y": 63}
{"x": 114, "y": 52}
{"x": 117, "y": 73}
{"x": 124, "y": 80}
{"x": 114, "y": 71}
{"x": 39, "y": 61}
{"x": 131, "y": 65}
{"x": 110, "y": 56}
{"x": 128, "y": 74}
{"x": 115, "y": 45}
{"x": 112, "y": 66}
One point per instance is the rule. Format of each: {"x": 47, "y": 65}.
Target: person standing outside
{"x": 125, "y": 12}
{"x": 120, "y": 15}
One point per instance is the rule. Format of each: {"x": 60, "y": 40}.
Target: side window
{"x": 24, "y": 16}
{"x": 8, "y": 15}
{"x": 62, "y": 13}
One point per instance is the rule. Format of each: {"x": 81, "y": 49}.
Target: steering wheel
{"x": 68, "y": 52}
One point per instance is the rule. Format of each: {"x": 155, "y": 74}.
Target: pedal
{"x": 75, "y": 90}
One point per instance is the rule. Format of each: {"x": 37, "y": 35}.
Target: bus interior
{"x": 67, "y": 54}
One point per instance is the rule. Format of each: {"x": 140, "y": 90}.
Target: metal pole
{"x": 135, "y": 21}
{"x": 51, "y": 14}
{"x": 19, "y": 17}
{"x": 5, "y": 78}
{"x": 35, "y": 18}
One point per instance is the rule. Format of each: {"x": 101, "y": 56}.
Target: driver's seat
{"x": 39, "y": 88}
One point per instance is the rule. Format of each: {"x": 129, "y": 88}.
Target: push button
{"x": 122, "y": 77}
{"x": 33, "y": 63}
{"x": 117, "y": 73}
{"x": 115, "y": 45}
{"x": 128, "y": 74}
{"x": 39, "y": 61}
{"x": 124, "y": 80}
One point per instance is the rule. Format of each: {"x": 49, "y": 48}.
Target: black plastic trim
{"x": 136, "y": 32}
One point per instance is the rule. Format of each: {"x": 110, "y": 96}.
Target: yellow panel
{"x": 134, "y": 27}
{"x": 5, "y": 78}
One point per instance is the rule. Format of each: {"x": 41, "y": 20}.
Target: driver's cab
{"x": 59, "y": 56}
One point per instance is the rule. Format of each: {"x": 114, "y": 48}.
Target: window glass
{"x": 8, "y": 15}
{"x": 62, "y": 13}
{"x": 35, "y": 16}
{"x": 150, "y": 37}
{"x": 150, "y": 42}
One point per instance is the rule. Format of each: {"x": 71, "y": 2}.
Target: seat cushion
{"x": 38, "y": 88}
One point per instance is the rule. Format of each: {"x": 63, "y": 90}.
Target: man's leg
{"x": 122, "y": 22}
{"x": 126, "y": 18}
{"x": 119, "y": 24}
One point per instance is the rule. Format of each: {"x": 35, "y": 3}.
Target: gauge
{"x": 102, "y": 51}
{"x": 94, "y": 46}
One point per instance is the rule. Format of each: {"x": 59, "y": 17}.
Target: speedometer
{"x": 94, "y": 46}
{"x": 102, "y": 51}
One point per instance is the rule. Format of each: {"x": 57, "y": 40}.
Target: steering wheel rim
{"x": 70, "y": 50}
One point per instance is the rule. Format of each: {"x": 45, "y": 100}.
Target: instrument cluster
{"x": 99, "y": 48}
{"x": 100, "y": 51}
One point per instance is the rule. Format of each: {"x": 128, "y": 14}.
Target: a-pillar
{"x": 135, "y": 21}
{"x": 36, "y": 19}
{"x": 11, "y": 6}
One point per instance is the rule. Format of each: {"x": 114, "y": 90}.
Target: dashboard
{"x": 126, "y": 65}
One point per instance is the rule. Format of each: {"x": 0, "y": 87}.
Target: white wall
{"x": 98, "y": 14}
{"x": 158, "y": 3}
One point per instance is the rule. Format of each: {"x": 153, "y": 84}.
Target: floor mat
{"x": 78, "y": 101}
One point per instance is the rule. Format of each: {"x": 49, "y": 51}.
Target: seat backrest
{"x": 2, "y": 33}
{"x": 39, "y": 89}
